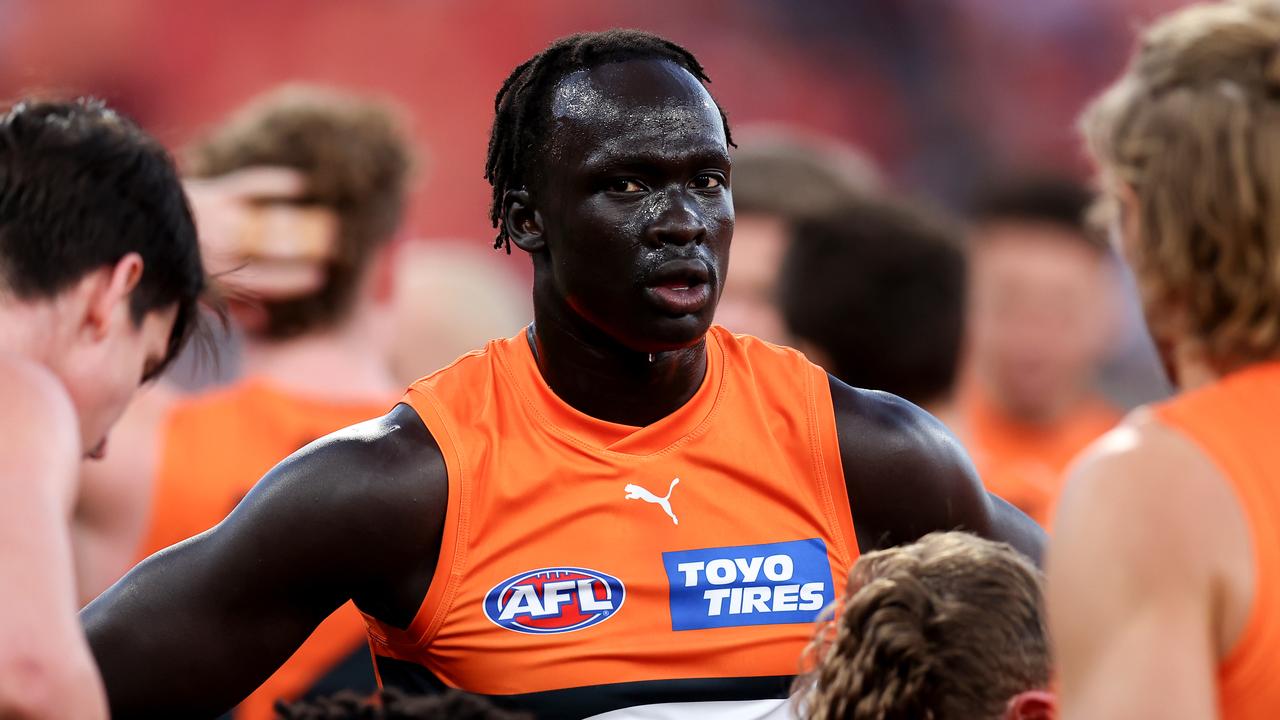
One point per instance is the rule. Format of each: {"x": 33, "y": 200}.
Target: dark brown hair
{"x": 877, "y": 273}
{"x": 81, "y": 186}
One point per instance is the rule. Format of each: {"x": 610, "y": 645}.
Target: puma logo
{"x": 635, "y": 492}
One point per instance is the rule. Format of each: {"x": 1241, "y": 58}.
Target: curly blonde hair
{"x": 1193, "y": 127}
{"x": 948, "y": 628}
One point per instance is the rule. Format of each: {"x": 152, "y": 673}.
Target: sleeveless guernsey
{"x": 589, "y": 568}
{"x": 214, "y": 448}
{"x": 1235, "y": 422}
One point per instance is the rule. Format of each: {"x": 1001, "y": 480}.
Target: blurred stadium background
{"x": 936, "y": 91}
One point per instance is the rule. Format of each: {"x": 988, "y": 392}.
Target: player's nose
{"x": 679, "y": 222}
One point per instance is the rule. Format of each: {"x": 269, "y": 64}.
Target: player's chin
{"x": 667, "y": 333}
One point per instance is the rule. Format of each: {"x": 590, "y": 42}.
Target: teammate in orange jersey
{"x": 303, "y": 189}
{"x": 100, "y": 274}
{"x": 621, "y": 505}
{"x": 1043, "y": 307}
{"x": 1164, "y": 576}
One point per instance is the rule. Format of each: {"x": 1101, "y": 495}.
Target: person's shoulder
{"x": 397, "y": 440}
{"x": 1142, "y": 471}
{"x": 906, "y": 474}
{"x": 880, "y": 427}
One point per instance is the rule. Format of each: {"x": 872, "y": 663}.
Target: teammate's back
{"x": 1233, "y": 423}
{"x": 1164, "y": 570}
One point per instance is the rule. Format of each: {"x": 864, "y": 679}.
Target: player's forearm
{"x": 194, "y": 629}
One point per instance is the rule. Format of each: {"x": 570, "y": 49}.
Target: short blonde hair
{"x": 1193, "y": 127}
{"x": 947, "y": 628}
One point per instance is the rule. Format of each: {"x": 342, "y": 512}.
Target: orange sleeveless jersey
{"x": 213, "y": 449}
{"x": 588, "y": 567}
{"x": 1024, "y": 464}
{"x": 1234, "y": 422}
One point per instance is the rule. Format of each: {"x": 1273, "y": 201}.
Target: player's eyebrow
{"x": 705, "y": 156}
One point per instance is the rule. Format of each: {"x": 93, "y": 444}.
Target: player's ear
{"x": 108, "y": 290}
{"x": 1032, "y": 705}
{"x": 523, "y": 221}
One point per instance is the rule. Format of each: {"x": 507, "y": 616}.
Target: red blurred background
{"x": 936, "y": 90}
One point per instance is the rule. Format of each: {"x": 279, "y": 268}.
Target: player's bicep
{"x": 195, "y": 627}
{"x": 907, "y": 476}
{"x": 1129, "y": 604}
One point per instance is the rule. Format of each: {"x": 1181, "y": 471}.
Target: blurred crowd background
{"x": 910, "y": 188}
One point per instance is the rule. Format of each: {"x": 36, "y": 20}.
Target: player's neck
{"x": 606, "y": 381}
{"x": 1190, "y": 365}
{"x": 28, "y": 330}
{"x": 346, "y": 362}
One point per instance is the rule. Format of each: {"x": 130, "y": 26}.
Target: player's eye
{"x": 708, "y": 181}
{"x": 624, "y": 185}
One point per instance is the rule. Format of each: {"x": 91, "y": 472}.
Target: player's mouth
{"x": 680, "y": 287}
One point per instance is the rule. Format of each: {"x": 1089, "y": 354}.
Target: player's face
{"x": 634, "y": 202}
{"x": 102, "y": 376}
{"x": 1041, "y": 314}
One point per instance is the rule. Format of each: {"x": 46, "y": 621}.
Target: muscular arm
{"x": 908, "y": 476}
{"x": 356, "y": 515}
{"x": 1133, "y": 586}
{"x": 45, "y": 668}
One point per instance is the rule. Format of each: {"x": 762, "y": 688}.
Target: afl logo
{"x": 554, "y": 600}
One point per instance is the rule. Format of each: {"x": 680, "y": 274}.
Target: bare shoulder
{"x": 1144, "y": 474}
{"x": 886, "y": 431}
{"x": 1146, "y": 513}
{"x": 380, "y": 491}
{"x": 907, "y": 475}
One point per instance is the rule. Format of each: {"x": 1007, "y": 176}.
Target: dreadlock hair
{"x": 521, "y": 106}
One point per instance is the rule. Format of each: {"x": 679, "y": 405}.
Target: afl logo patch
{"x": 554, "y": 600}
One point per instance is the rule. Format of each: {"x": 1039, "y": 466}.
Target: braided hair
{"x": 519, "y": 124}
{"x": 948, "y": 628}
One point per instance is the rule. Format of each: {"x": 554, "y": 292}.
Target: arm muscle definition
{"x": 908, "y": 476}
{"x": 355, "y": 515}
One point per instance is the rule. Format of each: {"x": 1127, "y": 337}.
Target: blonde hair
{"x": 1193, "y": 126}
{"x": 950, "y": 627}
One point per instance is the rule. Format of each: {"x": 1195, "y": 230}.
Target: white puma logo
{"x": 635, "y": 492}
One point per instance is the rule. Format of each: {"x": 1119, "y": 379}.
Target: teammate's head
{"x": 950, "y": 628}
{"x": 1187, "y": 141}
{"x": 1043, "y": 295}
{"x": 355, "y": 161}
{"x": 779, "y": 177}
{"x": 876, "y": 290}
{"x": 97, "y": 247}
{"x": 392, "y": 704}
{"x": 610, "y": 165}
